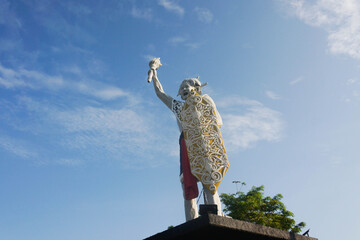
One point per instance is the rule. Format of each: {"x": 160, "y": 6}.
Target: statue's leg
{"x": 212, "y": 199}
{"x": 191, "y": 208}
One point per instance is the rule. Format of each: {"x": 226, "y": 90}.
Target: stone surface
{"x": 217, "y": 227}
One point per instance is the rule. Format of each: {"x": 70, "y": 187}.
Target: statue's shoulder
{"x": 208, "y": 99}
{"x": 206, "y": 96}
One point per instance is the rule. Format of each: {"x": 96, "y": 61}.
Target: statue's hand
{"x": 150, "y": 76}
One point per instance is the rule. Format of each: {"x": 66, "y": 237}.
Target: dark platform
{"x": 216, "y": 227}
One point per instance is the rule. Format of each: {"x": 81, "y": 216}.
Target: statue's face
{"x": 187, "y": 86}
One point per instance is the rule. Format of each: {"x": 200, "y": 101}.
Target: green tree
{"x": 256, "y": 208}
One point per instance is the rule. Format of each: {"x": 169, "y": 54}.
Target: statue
{"x": 202, "y": 153}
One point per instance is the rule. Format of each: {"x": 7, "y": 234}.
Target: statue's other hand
{"x": 150, "y": 76}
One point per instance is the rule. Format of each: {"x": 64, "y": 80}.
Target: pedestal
{"x": 216, "y": 227}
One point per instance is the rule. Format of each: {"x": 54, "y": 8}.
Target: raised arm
{"x": 166, "y": 99}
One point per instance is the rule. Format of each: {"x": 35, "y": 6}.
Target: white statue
{"x": 202, "y": 153}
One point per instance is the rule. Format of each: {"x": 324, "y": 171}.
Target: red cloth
{"x": 190, "y": 182}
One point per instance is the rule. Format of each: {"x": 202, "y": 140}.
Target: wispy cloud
{"x": 351, "y": 81}
{"x": 10, "y": 78}
{"x": 148, "y": 57}
{"x": 172, "y": 6}
{"x": 247, "y": 122}
{"x": 100, "y": 90}
{"x": 341, "y": 19}
{"x": 17, "y": 147}
{"x": 204, "y": 15}
{"x": 8, "y": 17}
{"x": 296, "y": 81}
{"x": 100, "y": 119}
{"x": 78, "y": 125}
{"x": 181, "y": 40}
{"x": 272, "y": 95}
{"x": 353, "y": 90}
{"x": 68, "y": 162}
{"x": 36, "y": 80}
{"x": 177, "y": 40}
{"x": 85, "y": 132}
{"x": 193, "y": 45}
{"x": 146, "y": 14}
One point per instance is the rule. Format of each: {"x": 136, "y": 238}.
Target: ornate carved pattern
{"x": 204, "y": 143}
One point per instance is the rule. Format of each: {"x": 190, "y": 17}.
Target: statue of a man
{"x": 202, "y": 155}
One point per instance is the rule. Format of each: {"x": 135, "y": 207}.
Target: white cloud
{"x": 180, "y": 40}
{"x": 177, "y": 40}
{"x": 23, "y": 78}
{"x": 11, "y": 78}
{"x": 122, "y": 134}
{"x": 111, "y": 93}
{"x": 172, "y": 6}
{"x": 88, "y": 130}
{"x": 296, "y": 81}
{"x": 247, "y": 122}
{"x": 100, "y": 119}
{"x": 7, "y": 83}
{"x": 341, "y": 20}
{"x": 73, "y": 69}
{"x": 204, "y": 15}
{"x": 69, "y": 162}
{"x": 272, "y": 95}
{"x": 193, "y": 45}
{"x": 142, "y": 13}
{"x": 17, "y": 147}
{"x": 351, "y": 81}
{"x": 148, "y": 57}
{"x": 100, "y": 90}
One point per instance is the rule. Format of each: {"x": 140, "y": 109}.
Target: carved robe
{"x": 204, "y": 143}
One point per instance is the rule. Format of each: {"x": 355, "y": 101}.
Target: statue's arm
{"x": 166, "y": 99}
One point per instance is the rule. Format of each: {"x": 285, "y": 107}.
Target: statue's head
{"x": 188, "y": 85}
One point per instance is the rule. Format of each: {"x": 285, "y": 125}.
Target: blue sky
{"x": 87, "y": 151}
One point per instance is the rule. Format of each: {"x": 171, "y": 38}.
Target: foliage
{"x": 256, "y": 208}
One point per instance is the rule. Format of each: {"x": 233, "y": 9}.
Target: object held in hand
{"x": 153, "y": 64}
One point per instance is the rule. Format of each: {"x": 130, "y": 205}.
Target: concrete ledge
{"x": 216, "y": 227}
